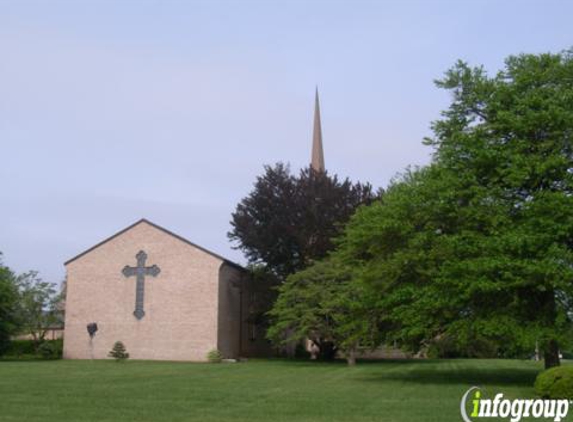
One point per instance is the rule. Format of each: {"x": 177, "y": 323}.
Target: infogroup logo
{"x": 515, "y": 409}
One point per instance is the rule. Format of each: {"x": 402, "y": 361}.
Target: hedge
{"x": 555, "y": 383}
{"x": 48, "y": 349}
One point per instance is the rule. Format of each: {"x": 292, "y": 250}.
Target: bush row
{"x": 27, "y": 349}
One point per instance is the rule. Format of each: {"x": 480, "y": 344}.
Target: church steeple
{"x": 317, "y": 160}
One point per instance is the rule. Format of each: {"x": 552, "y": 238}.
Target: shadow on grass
{"x": 516, "y": 377}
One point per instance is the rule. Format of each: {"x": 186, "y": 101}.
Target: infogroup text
{"x": 515, "y": 409}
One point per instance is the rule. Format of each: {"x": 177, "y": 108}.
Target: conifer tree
{"x": 118, "y": 352}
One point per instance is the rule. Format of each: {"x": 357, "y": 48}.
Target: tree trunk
{"x": 35, "y": 340}
{"x": 552, "y": 354}
{"x": 351, "y": 357}
{"x": 290, "y": 347}
{"x": 548, "y": 313}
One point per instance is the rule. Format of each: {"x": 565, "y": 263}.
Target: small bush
{"x": 300, "y": 352}
{"x": 118, "y": 352}
{"x": 555, "y": 383}
{"x": 443, "y": 347}
{"x": 214, "y": 356}
{"x": 51, "y": 349}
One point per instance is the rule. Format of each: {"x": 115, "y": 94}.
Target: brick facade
{"x": 192, "y": 306}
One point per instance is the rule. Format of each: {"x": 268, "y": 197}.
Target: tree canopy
{"x": 288, "y": 220}
{"x": 38, "y": 305}
{"x": 478, "y": 244}
{"x": 8, "y": 306}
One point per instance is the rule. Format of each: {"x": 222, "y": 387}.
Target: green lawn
{"x": 254, "y": 391}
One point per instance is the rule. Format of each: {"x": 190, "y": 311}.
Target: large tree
{"x": 288, "y": 220}
{"x": 8, "y": 306}
{"x": 479, "y": 244}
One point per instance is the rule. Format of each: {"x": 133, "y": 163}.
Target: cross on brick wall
{"x": 140, "y": 272}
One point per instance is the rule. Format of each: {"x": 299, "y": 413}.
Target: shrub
{"x": 300, "y": 352}
{"x": 51, "y": 349}
{"x": 214, "y": 356}
{"x": 443, "y": 347}
{"x": 555, "y": 383}
{"x": 19, "y": 348}
{"x": 118, "y": 352}
{"x": 27, "y": 349}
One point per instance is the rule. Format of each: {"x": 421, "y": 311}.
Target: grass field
{"x": 396, "y": 391}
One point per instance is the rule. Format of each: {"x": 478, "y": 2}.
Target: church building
{"x": 163, "y": 296}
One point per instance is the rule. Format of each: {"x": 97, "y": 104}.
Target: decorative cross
{"x": 140, "y": 271}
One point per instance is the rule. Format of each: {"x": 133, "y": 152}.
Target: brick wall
{"x": 181, "y": 303}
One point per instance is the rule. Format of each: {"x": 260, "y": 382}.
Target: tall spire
{"x": 317, "y": 161}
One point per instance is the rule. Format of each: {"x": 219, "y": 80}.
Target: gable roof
{"x": 170, "y": 233}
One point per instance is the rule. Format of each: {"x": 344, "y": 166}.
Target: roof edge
{"x": 181, "y": 238}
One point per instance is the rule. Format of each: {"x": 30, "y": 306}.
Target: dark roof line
{"x": 143, "y": 220}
